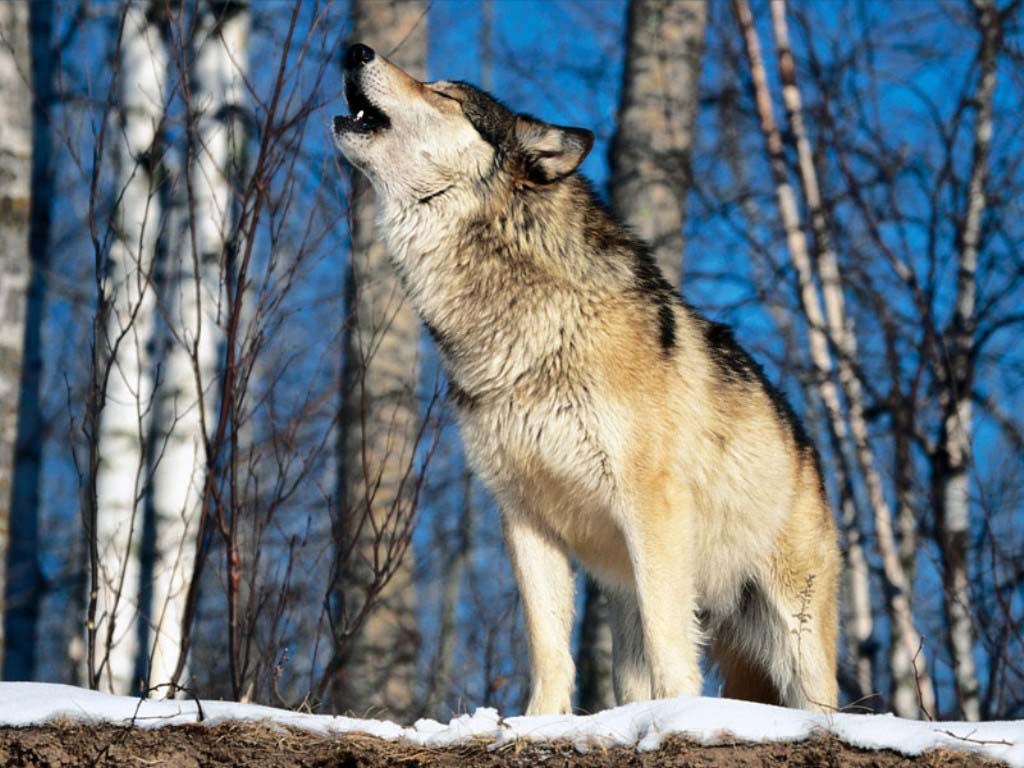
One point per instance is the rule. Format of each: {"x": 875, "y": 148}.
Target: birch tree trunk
{"x": 840, "y": 329}
{"x": 379, "y": 418}
{"x": 128, "y": 397}
{"x": 196, "y": 275}
{"x": 843, "y": 336}
{"x": 650, "y": 153}
{"x": 953, "y": 458}
{"x": 24, "y": 585}
{"x": 15, "y": 188}
{"x": 832, "y": 318}
{"x": 650, "y": 180}
{"x": 858, "y": 619}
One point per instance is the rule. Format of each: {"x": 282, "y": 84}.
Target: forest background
{"x": 227, "y": 467}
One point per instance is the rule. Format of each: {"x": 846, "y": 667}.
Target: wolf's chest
{"x": 558, "y": 461}
{"x": 554, "y": 442}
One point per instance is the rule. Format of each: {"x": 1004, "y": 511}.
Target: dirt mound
{"x": 67, "y": 745}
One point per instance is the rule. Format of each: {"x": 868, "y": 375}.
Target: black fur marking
{"x": 493, "y": 120}
{"x": 650, "y": 282}
{"x": 607, "y": 233}
{"x": 732, "y": 360}
{"x": 432, "y": 195}
{"x": 737, "y": 366}
{"x": 649, "y": 276}
{"x": 441, "y": 340}
{"x": 748, "y": 593}
{"x": 460, "y": 398}
{"x": 666, "y": 327}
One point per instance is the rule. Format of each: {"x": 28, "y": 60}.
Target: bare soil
{"x": 67, "y": 745}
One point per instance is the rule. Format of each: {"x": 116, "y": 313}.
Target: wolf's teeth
{"x": 359, "y": 115}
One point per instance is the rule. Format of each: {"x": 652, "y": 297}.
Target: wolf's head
{"x": 420, "y": 141}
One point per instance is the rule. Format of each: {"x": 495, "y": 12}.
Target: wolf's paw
{"x": 542, "y": 703}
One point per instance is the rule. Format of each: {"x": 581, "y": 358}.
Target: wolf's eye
{"x": 452, "y": 98}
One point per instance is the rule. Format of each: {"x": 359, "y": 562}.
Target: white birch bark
{"x": 650, "y": 155}
{"x": 858, "y": 620}
{"x": 898, "y": 603}
{"x": 843, "y": 334}
{"x": 15, "y": 191}
{"x": 128, "y": 401}
{"x": 954, "y": 454}
{"x": 841, "y": 330}
{"x": 380, "y": 415}
{"x": 191, "y": 387}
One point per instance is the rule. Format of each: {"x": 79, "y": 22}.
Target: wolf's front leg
{"x": 545, "y": 583}
{"x": 658, "y": 530}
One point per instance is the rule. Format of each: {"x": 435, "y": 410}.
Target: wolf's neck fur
{"x": 555, "y": 246}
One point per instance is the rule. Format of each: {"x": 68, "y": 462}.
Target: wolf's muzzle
{"x": 366, "y": 117}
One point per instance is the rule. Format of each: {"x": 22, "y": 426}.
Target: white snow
{"x": 643, "y": 725}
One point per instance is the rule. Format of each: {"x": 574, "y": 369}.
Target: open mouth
{"x": 363, "y": 116}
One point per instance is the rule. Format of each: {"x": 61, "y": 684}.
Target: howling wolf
{"x": 610, "y": 420}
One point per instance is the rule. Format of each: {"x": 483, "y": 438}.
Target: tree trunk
{"x": 15, "y": 262}
{"x": 843, "y": 337}
{"x": 25, "y": 584}
{"x": 953, "y": 460}
{"x": 833, "y": 319}
{"x": 858, "y": 620}
{"x": 901, "y": 663}
{"x": 650, "y": 180}
{"x": 379, "y": 421}
{"x": 191, "y": 387}
{"x": 128, "y": 397}
{"x": 650, "y": 154}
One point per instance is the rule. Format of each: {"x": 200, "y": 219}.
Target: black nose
{"x": 357, "y": 55}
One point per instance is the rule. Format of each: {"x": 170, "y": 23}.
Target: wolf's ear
{"x": 552, "y": 152}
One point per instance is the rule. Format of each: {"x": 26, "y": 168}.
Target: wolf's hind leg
{"x": 799, "y": 599}
{"x": 800, "y": 649}
{"x": 545, "y": 580}
{"x": 631, "y": 675}
{"x": 800, "y": 596}
{"x": 785, "y": 632}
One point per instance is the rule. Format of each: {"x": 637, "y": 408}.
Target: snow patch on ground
{"x": 643, "y": 725}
